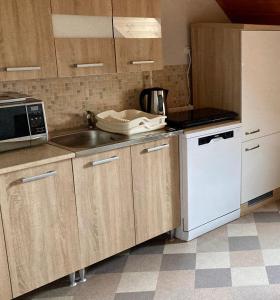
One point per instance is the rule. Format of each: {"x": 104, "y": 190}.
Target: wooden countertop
{"x": 32, "y": 157}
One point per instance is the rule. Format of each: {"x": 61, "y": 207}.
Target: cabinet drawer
{"x": 137, "y": 8}
{"x": 260, "y": 166}
{"x": 89, "y": 56}
{"x": 134, "y": 55}
{"x": 40, "y": 225}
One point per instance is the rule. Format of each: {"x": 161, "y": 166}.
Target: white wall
{"x": 177, "y": 15}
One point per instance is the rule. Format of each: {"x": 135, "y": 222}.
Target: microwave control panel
{"x": 36, "y": 119}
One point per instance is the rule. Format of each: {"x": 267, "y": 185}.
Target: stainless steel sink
{"x": 87, "y": 139}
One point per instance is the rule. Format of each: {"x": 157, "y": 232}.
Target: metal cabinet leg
{"x": 72, "y": 278}
{"x": 82, "y": 274}
{"x": 172, "y": 234}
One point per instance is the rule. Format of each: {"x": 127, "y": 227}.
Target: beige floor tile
{"x": 252, "y": 276}
{"x": 244, "y": 219}
{"x": 143, "y": 263}
{"x": 256, "y": 293}
{"x": 138, "y": 282}
{"x": 242, "y": 229}
{"x": 212, "y": 260}
{"x": 269, "y": 235}
{"x": 251, "y": 258}
{"x": 271, "y": 257}
{"x": 183, "y": 247}
{"x": 213, "y": 294}
{"x": 175, "y": 285}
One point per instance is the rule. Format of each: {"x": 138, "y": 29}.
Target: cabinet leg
{"x": 72, "y": 278}
{"x": 82, "y": 274}
{"x": 172, "y": 234}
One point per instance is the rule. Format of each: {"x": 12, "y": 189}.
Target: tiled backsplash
{"x": 67, "y": 99}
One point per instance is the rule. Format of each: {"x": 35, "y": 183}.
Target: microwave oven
{"x": 22, "y": 122}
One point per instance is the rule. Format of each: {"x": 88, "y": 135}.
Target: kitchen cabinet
{"x": 105, "y": 204}
{"x": 155, "y": 170}
{"x": 83, "y": 37}
{"x": 260, "y": 83}
{"x": 137, "y": 32}
{"x": 261, "y": 166}
{"x": 5, "y": 283}
{"x": 40, "y": 225}
{"x": 27, "y": 46}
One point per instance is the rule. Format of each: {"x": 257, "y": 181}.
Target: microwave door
{"x": 14, "y": 127}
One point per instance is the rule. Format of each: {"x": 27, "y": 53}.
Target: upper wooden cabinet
{"x": 137, "y": 32}
{"x": 83, "y": 37}
{"x": 27, "y": 46}
{"x": 155, "y": 169}
{"x": 5, "y": 282}
{"x": 40, "y": 225}
{"x": 137, "y": 8}
{"x": 103, "y": 188}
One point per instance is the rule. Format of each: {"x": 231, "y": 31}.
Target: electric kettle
{"x": 153, "y": 101}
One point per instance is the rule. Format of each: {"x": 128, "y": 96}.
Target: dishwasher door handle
{"x": 217, "y": 137}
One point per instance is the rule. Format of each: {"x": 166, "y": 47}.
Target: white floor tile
{"x": 249, "y": 276}
{"x": 188, "y": 247}
{"x": 212, "y": 260}
{"x": 271, "y": 257}
{"x": 242, "y": 229}
{"x": 138, "y": 282}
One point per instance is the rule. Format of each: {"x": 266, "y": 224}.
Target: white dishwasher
{"x": 210, "y": 179}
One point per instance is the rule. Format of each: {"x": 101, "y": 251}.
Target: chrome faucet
{"x": 90, "y": 119}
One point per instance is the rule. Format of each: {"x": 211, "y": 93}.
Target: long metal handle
{"x": 38, "y": 177}
{"x": 158, "y": 148}
{"x": 96, "y": 65}
{"x": 142, "y": 62}
{"x": 251, "y": 149}
{"x": 20, "y": 69}
{"x": 253, "y": 132}
{"x": 104, "y": 161}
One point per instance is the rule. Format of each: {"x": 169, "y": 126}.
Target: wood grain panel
{"x": 82, "y": 7}
{"x": 105, "y": 205}
{"x": 137, "y": 8}
{"x": 5, "y": 283}
{"x": 156, "y": 188}
{"x": 216, "y": 67}
{"x": 129, "y": 50}
{"x": 26, "y": 39}
{"x": 40, "y": 225}
{"x": 85, "y": 51}
{"x": 248, "y": 11}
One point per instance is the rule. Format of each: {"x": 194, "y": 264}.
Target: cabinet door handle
{"x": 142, "y": 62}
{"x": 21, "y": 69}
{"x": 158, "y": 148}
{"x": 38, "y": 177}
{"x": 253, "y": 132}
{"x": 251, "y": 149}
{"x": 96, "y": 65}
{"x": 104, "y": 161}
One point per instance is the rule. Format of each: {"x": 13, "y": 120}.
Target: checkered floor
{"x": 238, "y": 261}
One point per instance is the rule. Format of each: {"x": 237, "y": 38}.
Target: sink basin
{"x": 87, "y": 139}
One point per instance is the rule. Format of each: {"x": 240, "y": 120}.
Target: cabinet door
{"x": 40, "y": 225}
{"x": 155, "y": 168}
{"x": 260, "y": 166}
{"x": 105, "y": 204}
{"x": 83, "y": 37}
{"x": 27, "y": 46}
{"x": 5, "y": 282}
{"x": 137, "y": 31}
{"x": 260, "y": 83}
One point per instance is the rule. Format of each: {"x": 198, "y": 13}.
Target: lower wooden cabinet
{"x": 260, "y": 166}
{"x": 105, "y": 204}
{"x": 5, "y": 283}
{"x": 155, "y": 168}
{"x": 40, "y": 225}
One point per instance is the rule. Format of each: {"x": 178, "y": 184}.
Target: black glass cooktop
{"x": 196, "y": 117}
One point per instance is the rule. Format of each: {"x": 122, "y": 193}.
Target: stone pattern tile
{"x": 238, "y": 261}
{"x": 67, "y": 99}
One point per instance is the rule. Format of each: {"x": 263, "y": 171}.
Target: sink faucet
{"x": 90, "y": 119}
